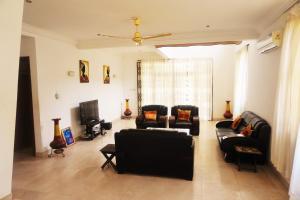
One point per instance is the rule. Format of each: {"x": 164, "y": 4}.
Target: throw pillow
{"x": 150, "y": 115}
{"x": 183, "y": 115}
{"x": 235, "y": 124}
{"x": 247, "y": 131}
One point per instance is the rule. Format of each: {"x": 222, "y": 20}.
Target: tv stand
{"x": 93, "y": 129}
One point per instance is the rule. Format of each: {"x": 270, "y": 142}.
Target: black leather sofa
{"x": 155, "y": 152}
{"x": 160, "y": 122}
{"x": 194, "y": 122}
{"x": 260, "y": 137}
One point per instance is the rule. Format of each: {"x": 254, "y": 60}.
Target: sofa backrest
{"x": 160, "y": 109}
{"x": 194, "y": 110}
{"x": 152, "y": 143}
{"x": 261, "y": 129}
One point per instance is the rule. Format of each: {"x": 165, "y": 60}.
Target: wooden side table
{"x": 109, "y": 149}
{"x": 252, "y": 151}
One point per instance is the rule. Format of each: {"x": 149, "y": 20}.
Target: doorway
{"x": 24, "y": 131}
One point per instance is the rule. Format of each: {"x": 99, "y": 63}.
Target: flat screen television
{"x": 88, "y": 111}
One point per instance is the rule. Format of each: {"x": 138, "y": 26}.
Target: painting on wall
{"x": 84, "y": 71}
{"x": 106, "y": 77}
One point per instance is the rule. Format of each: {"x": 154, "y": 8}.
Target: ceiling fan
{"x": 137, "y": 37}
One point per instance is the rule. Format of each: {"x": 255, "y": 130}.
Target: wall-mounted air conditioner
{"x": 271, "y": 42}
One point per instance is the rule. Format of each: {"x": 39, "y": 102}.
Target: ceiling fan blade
{"x": 157, "y": 36}
{"x": 112, "y": 36}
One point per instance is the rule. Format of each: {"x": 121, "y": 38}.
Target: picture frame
{"x": 84, "y": 71}
{"x": 106, "y": 74}
{"x": 68, "y": 136}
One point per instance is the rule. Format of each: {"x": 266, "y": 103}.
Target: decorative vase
{"x": 127, "y": 111}
{"x": 227, "y": 114}
{"x": 58, "y": 142}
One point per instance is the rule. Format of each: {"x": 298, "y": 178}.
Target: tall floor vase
{"x": 227, "y": 114}
{"x": 58, "y": 144}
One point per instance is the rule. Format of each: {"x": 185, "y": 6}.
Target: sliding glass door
{"x": 178, "y": 82}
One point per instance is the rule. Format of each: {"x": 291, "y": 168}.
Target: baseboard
{"x": 8, "y": 197}
{"x": 293, "y": 197}
{"x": 77, "y": 138}
{"x": 41, "y": 154}
{"x": 282, "y": 180}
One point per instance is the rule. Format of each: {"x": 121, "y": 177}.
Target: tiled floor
{"x": 78, "y": 176}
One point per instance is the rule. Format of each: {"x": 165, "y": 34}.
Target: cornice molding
{"x": 33, "y": 31}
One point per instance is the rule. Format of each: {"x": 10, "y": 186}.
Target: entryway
{"x": 24, "y": 131}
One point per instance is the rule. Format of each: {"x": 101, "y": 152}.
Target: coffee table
{"x": 253, "y": 152}
{"x": 183, "y": 130}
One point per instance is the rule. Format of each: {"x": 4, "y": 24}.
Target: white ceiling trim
{"x": 33, "y": 31}
{"x": 274, "y": 16}
{"x": 207, "y": 36}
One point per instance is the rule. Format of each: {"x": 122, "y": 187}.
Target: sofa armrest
{"x": 224, "y": 124}
{"x": 195, "y": 120}
{"x": 139, "y": 120}
{"x": 163, "y": 118}
{"x": 172, "y": 120}
{"x": 162, "y": 121}
{"x": 228, "y": 142}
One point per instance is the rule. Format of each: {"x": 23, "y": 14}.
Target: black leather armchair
{"x": 260, "y": 137}
{"x": 161, "y": 120}
{"x": 193, "y": 124}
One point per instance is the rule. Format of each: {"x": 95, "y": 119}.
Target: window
{"x": 178, "y": 82}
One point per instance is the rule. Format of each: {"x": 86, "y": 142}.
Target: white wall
{"x": 262, "y": 82}
{"x": 54, "y": 58}
{"x": 10, "y": 35}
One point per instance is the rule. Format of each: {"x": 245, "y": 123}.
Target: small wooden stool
{"x": 109, "y": 149}
{"x": 254, "y": 152}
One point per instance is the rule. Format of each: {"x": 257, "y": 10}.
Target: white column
{"x": 11, "y": 12}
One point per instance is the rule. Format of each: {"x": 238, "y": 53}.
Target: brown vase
{"x": 227, "y": 114}
{"x": 58, "y": 142}
{"x": 127, "y": 111}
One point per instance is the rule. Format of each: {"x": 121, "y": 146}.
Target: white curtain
{"x": 295, "y": 178}
{"x": 287, "y": 110}
{"x": 240, "y": 83}
{"x": 178, "y": 82}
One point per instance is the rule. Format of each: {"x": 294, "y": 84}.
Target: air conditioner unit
{"x": 271, "y": 42}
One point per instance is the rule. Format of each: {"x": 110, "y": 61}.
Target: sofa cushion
{"x": 151, "y": 123}
{"x": 183, "y": 124}
{"x": 184, "y": 115}
{"x": 236, "y": 123}
{"x": 150, "y": 115}
{"x": 247, "y": 131}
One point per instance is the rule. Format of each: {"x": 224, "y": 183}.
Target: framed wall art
{"x": 106, "y": 74}
{"x": 84, "y": 70}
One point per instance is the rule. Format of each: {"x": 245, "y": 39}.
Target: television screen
{"x": 88, "y": 111}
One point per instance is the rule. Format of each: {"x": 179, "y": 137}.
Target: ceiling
{"x": 81, "y": 20}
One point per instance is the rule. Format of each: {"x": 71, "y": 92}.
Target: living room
{"x": 55, "y": 43}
